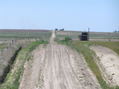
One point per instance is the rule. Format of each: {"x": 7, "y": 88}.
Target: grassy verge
{"x": 83, "y": 47}
{"x": 13, "y": 77}
{"x": 2, "y": 46}
{"x": 112, "y": 45}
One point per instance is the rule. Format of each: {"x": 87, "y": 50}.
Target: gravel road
{"x": 57, "y": 67}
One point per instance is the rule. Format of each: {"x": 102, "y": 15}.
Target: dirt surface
{"x": 57, "y": 67}
{"x": 108, "y": 61}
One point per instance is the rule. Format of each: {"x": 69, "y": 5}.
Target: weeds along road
{"x": 57, "y": 67}
{"x": 108, "y": 62}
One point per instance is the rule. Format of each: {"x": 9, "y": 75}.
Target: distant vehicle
{"x": 56, "y": 29}
{"x": 84, "y": 36}
{"x": 59, "y": 29}
{"x": 62, "y": 29}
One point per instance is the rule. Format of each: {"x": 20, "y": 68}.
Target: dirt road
{"x": 57, "y": 67}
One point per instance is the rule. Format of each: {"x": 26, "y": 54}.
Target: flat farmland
{"x": 40, "y": 34}
{"x": 100, "y": 36}
{"x": 57, "y": 62}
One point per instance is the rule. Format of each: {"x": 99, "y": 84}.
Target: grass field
{"x": 83, "y": 47}
{"x": 112, "y": 45}
{"x": 41, "y": 34}
{"x": 92, "y": 35}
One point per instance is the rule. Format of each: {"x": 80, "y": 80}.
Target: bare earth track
{"x": 108, "y": 61}
{"x": 57, "y": 67}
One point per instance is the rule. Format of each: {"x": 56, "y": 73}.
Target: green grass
{"x": 2, "y": 46}
{"x": 93, "y": 35}
{"x": 13, "y": 78}
{"x": 83, "y": 47}
{"x": 71, "y": 36}
{"x": 112, "y": 45}
{"x": 40, "y": 35}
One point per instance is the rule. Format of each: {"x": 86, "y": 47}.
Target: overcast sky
{"x": 99, "y": 15}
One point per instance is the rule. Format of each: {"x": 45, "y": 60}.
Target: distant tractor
{"x": 62, "y": 29}
{"x": 84, "y": 36}
{"x": 56, "y": 29}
